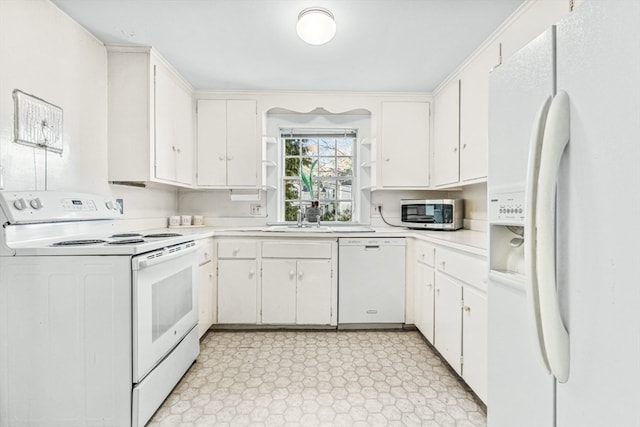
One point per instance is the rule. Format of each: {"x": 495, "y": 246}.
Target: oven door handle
{"x": 164, "y": 255}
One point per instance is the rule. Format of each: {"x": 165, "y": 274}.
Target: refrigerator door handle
{"x": 533, "y": 169}
{"x": 556, "y": 137}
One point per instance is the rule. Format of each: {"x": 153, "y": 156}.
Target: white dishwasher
{"x": 371, "y": 282}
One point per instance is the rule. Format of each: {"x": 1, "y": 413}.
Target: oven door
{"x": 165, "y": 303}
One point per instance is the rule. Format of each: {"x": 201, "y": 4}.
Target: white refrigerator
{"x": 564, "y": 211}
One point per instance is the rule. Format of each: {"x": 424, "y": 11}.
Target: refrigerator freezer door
{"x": 520, "y": 389}
{"x": 598, "y": 63}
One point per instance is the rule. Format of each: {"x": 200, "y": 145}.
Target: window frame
{"x": 303, "y": 133}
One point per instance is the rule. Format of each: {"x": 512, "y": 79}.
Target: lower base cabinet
{"x": 296, "y": 292}
{"x": 448, "y": 321}
{"x": 208, "y": 304}
{"x": 237, "y": 291}
{"x": 474, "y": 340}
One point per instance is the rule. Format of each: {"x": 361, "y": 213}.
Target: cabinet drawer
{"x": 425, "y": 253}
{"x": 283, "y": 249}
{"x": 466, "y": 268}
{"x": 238, "y": 249}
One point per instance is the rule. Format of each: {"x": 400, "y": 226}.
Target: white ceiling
{"x": 380, "y": 45}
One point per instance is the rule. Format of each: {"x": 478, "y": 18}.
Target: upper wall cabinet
{"x": 404, "y": 145}
{"x": 447, "y": 137}
{"x": 151, "y": 119}
{"x": 461, "y": 124}
{"x": 228, "y": 147}
{"x": 474, "y": 115}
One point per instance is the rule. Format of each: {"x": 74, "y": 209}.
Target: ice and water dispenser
{"x": 506, "y": 214}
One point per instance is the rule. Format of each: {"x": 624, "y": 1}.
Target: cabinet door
{"x": 183, "y": 132}
{"x": 165, "y": 144}
{"x": 205, "y": 303}
{"x": 474, "y": 341}
{"x": 474, "y": 115}
{"x": 278, "y": 291}
{"x": 242, "y": 143}
{"x": 314, "y": 292}
{"x": 448, "y": 320}
{"x": 446, "y": 130}
{"x": 211, "y": 142}
{"x": 237, "y": 291}
{"x": 405, "y": 144}
{"x": 427, "y": 276}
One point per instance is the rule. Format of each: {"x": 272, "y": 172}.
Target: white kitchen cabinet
{"x": 446, "y": 122}
{"x": 424, "y": 288}
{"x": 151, "y": 119}
{"x": 227, "y": 143}
{"x": 448, "y": 320}
{"x": 474, "y": 115}
{"x": 462, "y": 277}
{"x": 237, "y": 282}
{"x": 298, "y": 284}
{"x": 404, "y": 145}
{"x": 474, "y": 340}
{"x": 207, "y": 309}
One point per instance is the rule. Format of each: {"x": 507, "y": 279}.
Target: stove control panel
{"x": 25, "y": 207}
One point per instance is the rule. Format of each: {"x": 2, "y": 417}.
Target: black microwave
{"x": 443, "y": 214}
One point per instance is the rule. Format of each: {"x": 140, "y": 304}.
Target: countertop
{"x": 475, "y": 242}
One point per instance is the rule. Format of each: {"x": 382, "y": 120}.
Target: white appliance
{"x": 371, "y": 282}
{"x": 564, "y": 171}
{"x": 96, "y": 328}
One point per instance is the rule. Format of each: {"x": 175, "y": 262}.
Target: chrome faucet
{"x": 299, "y": 217}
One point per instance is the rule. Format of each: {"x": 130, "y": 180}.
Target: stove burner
{"x": 78, "y": 242}
{"x": 163, "y": 235}
{"x": 126, "y": 235}
{"x": 125, "y": 242}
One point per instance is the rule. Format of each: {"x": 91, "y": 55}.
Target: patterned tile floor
{"x": 318, "y": 378}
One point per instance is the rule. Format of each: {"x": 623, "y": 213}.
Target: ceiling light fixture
{"x": 316, "y": 25}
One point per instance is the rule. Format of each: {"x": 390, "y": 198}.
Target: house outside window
{"x": 318, "y": 169}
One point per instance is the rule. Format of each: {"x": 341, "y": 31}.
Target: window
{"x": 318, "y": 171}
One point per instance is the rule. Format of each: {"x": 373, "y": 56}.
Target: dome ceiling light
{"x": 316, "y": 25}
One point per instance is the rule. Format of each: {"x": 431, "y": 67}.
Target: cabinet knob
{"x": 464, "y": 146}
{"x": 178, "y": 150}
{"x": 300, "y": 275}
{"x": 173, "y": 147}
{"x": 387, "y": 159}
{"x": 455, "y": 149}
{"x": 236, "y": 250}
{"x": 229, "y": 157}
{"x": 210, "y": 275}
{"x": 442, "y": 265}
{"x": 221, "y": 158}
{"x": 467, "y": 308}
{"x": 252, "y": 272}
{"x": 438, "y": 291}
{"x": 429, "y": 285}
{"x": 292, "y": 274}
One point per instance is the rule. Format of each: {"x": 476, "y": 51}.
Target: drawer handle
{"x": 236, "y": 250}
{"x": 429, "y": 285}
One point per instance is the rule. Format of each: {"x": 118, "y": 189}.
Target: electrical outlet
{"x": 256, "y": 209}
{"x": 377, "y": 207}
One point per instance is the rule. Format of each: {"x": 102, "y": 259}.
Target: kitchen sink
{"x": 296, "y": 229}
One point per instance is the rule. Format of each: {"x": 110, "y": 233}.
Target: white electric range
{"x": 96, "y": 327}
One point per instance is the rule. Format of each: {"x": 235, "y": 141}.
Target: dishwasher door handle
{"x": 372, "y": 248}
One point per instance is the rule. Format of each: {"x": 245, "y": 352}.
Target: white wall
{"x": 45, "y": 53}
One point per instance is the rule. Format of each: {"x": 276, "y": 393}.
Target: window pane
{"x": 345, "y": 166}
{"x": 327, "y": 190}
{"x": 291, "y": 189}
{"x": 292, "y": 167}
{"x": 292, "y": 147}
{"x": 344, "y": 190}
{"x": 310, "y": 147}
{"x": 327, "y": 166}
{"x": 290, "y": 211}
{"x": 344, "y": 211}
{"x": 345, "y": 146}
{"x": 328, "y": 211}
{"x": 327, "y": 147}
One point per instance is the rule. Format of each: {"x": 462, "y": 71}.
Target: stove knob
{"x": 36, "y": 203}
{"x": 110, "y": 205}
{"x": 20, "y": 204}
